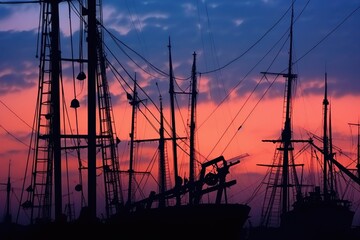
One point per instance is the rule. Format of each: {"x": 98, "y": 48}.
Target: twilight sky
{"x": 234, "y": 42}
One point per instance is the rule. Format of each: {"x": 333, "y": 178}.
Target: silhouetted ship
{"x": 322, "y": 211}
{"x": 288, "y": 212}
{"x": 56, "y": 148}
{"x": 318, "y": 214}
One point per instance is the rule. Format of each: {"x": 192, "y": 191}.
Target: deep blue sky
{"x": 326, "y": 38}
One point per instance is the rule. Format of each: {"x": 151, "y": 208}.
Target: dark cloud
{"x": 18, "y": 64}
{"x": 14, "y": 83}
{"x": 236, "y": 40}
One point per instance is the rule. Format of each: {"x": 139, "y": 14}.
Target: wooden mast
{"x": 325, "y": 142}
{"x": 162, "y": 163}
{"x": 134, "y": 103}
{"x": 286, "y": 142}
{"x": 192, "y": 131}
{"x": 173, "y": 125}
{"x": 92, "y": 66}
{"x": 55, "y": 106}
{"x": 287, "y": 132}
{"x": 286, "y": 135}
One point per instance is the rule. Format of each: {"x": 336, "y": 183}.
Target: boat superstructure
{"x": 288, "y": 206}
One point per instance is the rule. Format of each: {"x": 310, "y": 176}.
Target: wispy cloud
{"x": 20, "y": 18}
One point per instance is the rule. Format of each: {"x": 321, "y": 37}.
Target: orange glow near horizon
{"x": 265, "y": 122}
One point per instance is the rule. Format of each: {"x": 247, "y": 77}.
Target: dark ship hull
{"x": 313, "y": 217}
{"x": 209, "y": 221}
{"x": 320, "y": 216}
{"x": 316, "y": 219}
{"x": 318, "y": 222}
{"x": 206, "y": 221}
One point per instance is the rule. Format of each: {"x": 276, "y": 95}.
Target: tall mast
{"x": 55, "y": 97}
{"x": 50, "y": 143}
{"x": 192, "y": 131}
{"x": 286, "y": 146}
{"x": 92, "y": 66}
{"x": 287, "y": 132}
{"x": 325, "y": 142}
{"x": 162, "y": 164}
{"x": 173, "y": 125}
{"x": 134, "y": 103}
{"x": 47, "y": 165}
{"x": 329, "y": 160}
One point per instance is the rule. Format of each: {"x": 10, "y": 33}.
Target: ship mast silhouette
{"x": 283, "y": 174}
{"x": 52, "y": 143}
{"x": 286, "y": 142}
